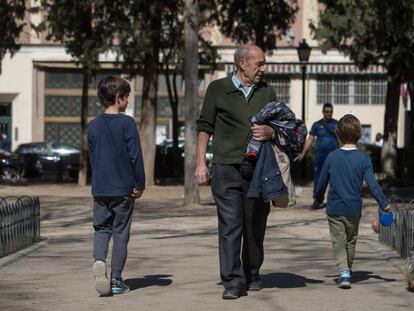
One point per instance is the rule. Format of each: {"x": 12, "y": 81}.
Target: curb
{"x": 22, "y": 253}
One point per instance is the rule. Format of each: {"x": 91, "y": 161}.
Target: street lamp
{"x": 304, "y": 51}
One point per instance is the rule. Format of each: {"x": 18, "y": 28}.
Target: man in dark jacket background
{"x": 228, "y": 105}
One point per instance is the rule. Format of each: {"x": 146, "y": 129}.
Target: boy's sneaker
{"x": 344, "y": 282}
{"x": 119, "y": 286}
{"x": 102, "y": 284}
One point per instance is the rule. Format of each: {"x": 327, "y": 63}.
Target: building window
{"x": 70, "y": 106}
{"x": 350, "y": 90}
{"x": 281, "y": 84}
{"x": 69, "y": 133}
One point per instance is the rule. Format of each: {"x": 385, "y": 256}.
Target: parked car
{"x": 11, "y": 167}
{"x": 49, "y": 160}
{"x": 164, "y": 159}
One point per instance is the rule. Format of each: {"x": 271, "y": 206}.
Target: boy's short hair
{"x": 349, "y": 129}
{"x": 111, "y": 87}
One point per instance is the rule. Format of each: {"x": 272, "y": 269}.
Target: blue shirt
{"x": 115, "y": 155}
{"x": 326, "y": 141}
{"x": 345, "y": 170}
{"x": 240, "y": 86}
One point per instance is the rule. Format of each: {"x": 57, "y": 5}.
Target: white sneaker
{"x": 102, "y": 284}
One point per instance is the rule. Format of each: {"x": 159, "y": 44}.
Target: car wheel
{"x": 9, "y": 174}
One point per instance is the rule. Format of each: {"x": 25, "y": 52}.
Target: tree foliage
{"x": 370, "y": 32}
{"x": 12, "y": 22}
{"x": 146, "y": 30}
{"x": 85, "y": 29}
{"x": 374, "y": 32}
{"x": 259, "y": 22}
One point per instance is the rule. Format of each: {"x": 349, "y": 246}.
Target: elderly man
{"x": 228, "y": 105}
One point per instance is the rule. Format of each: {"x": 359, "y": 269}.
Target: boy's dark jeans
{"x": 112, "y": 216}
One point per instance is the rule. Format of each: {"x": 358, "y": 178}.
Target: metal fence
{"x": 400, "y": 235}
{"x": 19, "y": 223}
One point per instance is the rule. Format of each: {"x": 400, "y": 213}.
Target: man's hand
{"x": 262, "y": 132}
{"x": 387, "y": 208}
{"x": 137, "y": 193}
{"x": 299, "y": 157}
{"x": 202, "y": 174}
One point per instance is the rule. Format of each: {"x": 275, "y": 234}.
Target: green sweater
{"x": 226, "y": 115}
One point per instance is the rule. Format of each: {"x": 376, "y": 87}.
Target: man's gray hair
{"x": 242, "y": 52}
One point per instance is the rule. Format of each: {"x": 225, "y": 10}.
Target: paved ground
{"x": 173, "y": 262}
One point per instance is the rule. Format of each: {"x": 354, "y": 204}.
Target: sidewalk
{"x": 173, "y": 260}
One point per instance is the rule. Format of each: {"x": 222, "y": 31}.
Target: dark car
{"x": 11, "y": 167}
{"x": 49, "y": 160}
{"x": 164, "y": 169}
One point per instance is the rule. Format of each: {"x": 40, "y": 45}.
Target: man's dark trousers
{"x": 239, "y": 219}
{"x": 317, "y": 168}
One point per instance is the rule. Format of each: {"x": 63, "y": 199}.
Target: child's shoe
{"x": 344, "y": 280}
{"x": 119, "y": 286}
{"x": 102, "y": 285}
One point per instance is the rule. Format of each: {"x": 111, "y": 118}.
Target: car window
{"x": 40, "y": 149}
{"x": 63, "y": 148}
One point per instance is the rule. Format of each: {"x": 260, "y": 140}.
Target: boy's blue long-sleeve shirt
{"x": 345, "y": 170}
{"x": 115, "y": 155}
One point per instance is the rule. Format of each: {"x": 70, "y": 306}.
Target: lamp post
{"x": 304, "y": 51}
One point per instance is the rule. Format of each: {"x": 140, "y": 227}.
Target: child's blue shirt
{"x": 345, "y": 170}
{"x": 115, "y": 155}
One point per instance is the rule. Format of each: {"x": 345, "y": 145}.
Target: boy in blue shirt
{"x": 117, "y": 180}
{"x": 345, "y": 169}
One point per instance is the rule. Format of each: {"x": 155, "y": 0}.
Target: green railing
{"x": 19, "y": 223}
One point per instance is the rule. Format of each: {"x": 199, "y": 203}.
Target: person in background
{"x": 376, "y": 157}
{"x": 379, "y": 140}
{"x": 5, "y": 143}
{"x": 324, "y": 131}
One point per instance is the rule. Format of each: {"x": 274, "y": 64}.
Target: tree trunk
{"x": 389, "y": 148}
{"x": 149, "y": 114}
{"x": 83, "y": 169}
{"x": 173, "y": 99}
{"x": 191, "y": 191}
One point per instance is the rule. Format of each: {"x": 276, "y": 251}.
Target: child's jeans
{"x": 344, "y": 233}
{"x": 112, "y": 216}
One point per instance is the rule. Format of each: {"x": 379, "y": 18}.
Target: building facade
{"x": 40, "y": 86}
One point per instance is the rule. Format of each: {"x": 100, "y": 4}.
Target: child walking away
{"x": 345, "y": 170}
{"x": 117, "y": 180}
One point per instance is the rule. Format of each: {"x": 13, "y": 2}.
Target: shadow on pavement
{"x": 286, "y": 280}
{"x": 149, "y": 280}
{"x": 360, "y": 276}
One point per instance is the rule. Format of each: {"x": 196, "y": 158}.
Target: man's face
{"x": 327, "y": 113}
{"x": 253, "y": 67}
